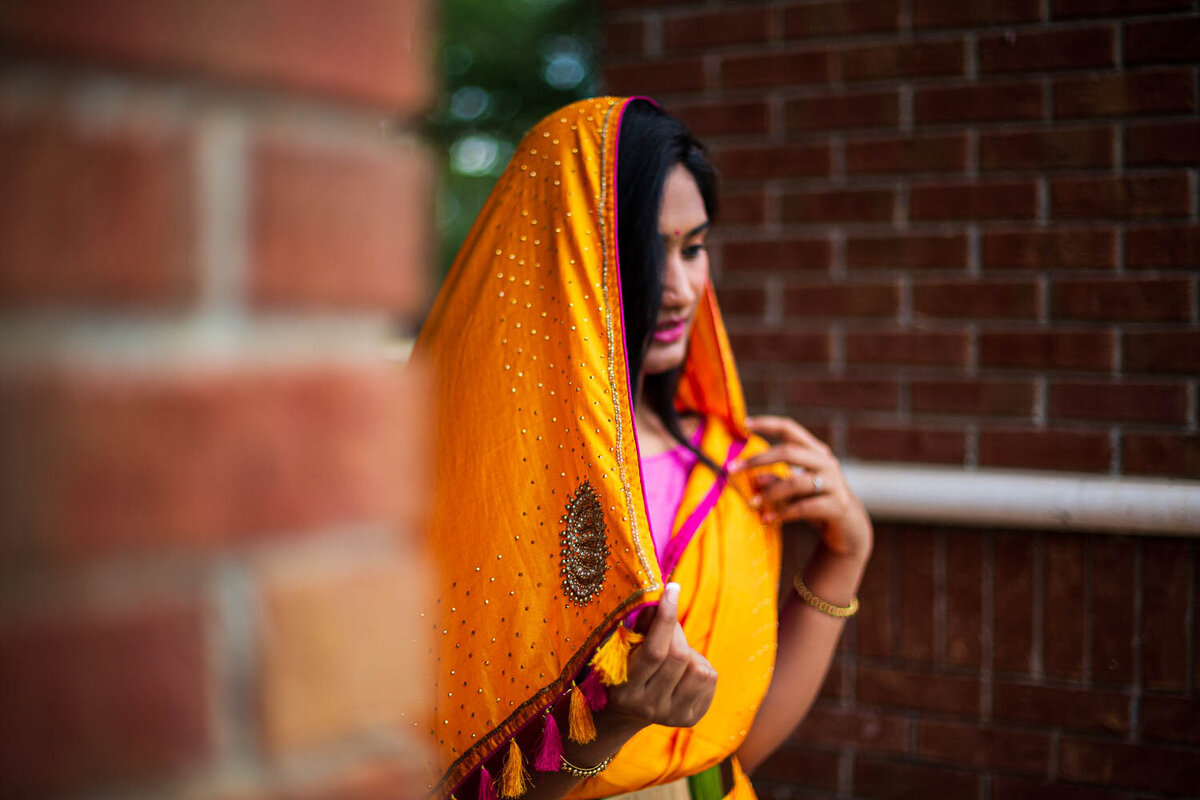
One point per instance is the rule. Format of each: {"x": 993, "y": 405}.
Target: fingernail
{"x": 756, "y": 501}
{"x": 735, "y": 466}
{"x": 671, "y": 593}
{"x": 768, "y": 517}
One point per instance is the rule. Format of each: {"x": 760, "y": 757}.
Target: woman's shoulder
{"x": 692, "y": 424}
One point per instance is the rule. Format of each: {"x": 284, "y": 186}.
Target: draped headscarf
{"x": 539, "y": 522}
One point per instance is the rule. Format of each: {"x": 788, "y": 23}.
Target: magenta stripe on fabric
{"x": 680, "y": 541}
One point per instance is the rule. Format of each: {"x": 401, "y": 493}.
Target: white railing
{"x": 1026, "y": 499}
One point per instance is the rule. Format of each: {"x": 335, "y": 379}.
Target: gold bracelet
{"x": 584, "y": 772}
{"x": 824, "y": 607}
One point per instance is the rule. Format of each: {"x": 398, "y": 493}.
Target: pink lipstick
{"x": 670, "y": 332}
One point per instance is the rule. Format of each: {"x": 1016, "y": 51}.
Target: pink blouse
{"x": 665, "y": 478}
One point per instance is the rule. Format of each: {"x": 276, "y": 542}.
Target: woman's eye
{"x": 692, "y": 251}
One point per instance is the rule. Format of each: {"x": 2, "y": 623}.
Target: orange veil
{"x": 539, "y": 523}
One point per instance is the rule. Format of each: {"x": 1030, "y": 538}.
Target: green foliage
{"x": 504, "y": 65}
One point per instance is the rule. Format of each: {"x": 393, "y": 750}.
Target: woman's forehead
{"x": 682, "y": 204}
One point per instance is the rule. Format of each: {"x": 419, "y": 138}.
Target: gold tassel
{"x": 612, "y": 658}
{"x": 514, "y": 779}
{"x": 581, "y": 728}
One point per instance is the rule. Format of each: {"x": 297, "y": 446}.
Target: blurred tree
{"x": 504, "y": 65}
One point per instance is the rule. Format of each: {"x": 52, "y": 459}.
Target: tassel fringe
{"x": 612, "y": 658}
{"x": 610, "y": 667}
{"x": 581, "y": 727}
{"x": 487, "y": 788}
{"x": 514, "y": 778}
{"x": 550, "y": 746}
{"x": 593, "y": 691}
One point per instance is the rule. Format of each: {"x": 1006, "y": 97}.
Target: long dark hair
{"x": 652, "y": 142}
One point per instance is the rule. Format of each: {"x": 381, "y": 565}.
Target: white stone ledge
{"x": 1026, "y": 499}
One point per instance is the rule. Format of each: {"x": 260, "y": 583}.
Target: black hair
{"x": 652, "y": 143}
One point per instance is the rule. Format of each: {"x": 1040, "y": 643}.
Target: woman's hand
{"x": 816, "y": 491}
{"x": 669, "y": 683}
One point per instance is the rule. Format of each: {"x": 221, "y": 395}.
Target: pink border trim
{"x": 681, "y": 540}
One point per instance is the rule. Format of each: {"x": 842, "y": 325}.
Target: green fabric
{"x": 706, "y": 785}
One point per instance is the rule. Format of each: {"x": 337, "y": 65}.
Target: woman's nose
{"x": 677, "y": 290}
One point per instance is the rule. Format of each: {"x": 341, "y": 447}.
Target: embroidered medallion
{"x": 583, "y": 546}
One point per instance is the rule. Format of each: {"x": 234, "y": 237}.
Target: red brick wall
{"x": 210, "y": 477}
{"x": 954, "y": 231}
{"x": 966, "y": 232}
{"x": 1012, "y": 666}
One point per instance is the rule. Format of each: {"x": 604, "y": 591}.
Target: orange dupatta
{"x": 538, "y": 522}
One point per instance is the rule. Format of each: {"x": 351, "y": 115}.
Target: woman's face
{"x": 683, "y": 226}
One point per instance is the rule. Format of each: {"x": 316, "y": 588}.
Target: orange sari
{"x": 539, "y": 523}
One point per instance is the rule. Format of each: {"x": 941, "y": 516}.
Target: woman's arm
{"x": 807, "y": 640}
{"x": 815, "y": 492}
{"x": 613, "y": 730}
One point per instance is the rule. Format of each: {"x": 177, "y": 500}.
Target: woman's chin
{"x": 664, "y": 356}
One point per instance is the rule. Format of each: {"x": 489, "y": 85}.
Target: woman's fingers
{"x": 786, "y": 453}
{"x": 786, "y": 429}
{"x": 814, "y": 507}
{"x": 645, "y": 660}
{"x": 697, "y": 679}
{"x": 694, "y": 692}
{"x": 662, "y": 628}
{"x": 669, "y": 682}
{"x": 664, "y": 680}
{"x": 815, "y": 473}
{"x": 845, "y": 525}
{"x": 784, "y": 490}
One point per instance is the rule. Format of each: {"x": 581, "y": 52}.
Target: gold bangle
{"x": 584, "y": 772}
{"x": 823, "y": 606}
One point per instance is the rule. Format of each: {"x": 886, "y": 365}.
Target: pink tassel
{"x": 487, "y": 789}
{"x": 593, "y": 691}
{"x": 550, "y": 747}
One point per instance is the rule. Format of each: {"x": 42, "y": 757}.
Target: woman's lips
{"x": 671, "y": 331}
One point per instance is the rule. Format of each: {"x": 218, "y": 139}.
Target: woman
{"x": 595, "y": 459}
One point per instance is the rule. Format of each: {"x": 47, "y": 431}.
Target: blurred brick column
{"x": 212, "y": 216}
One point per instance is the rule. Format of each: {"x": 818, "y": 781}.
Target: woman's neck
{"x": 653, "y": 436}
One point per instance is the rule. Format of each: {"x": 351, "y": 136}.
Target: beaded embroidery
{"x": 583, "y": 546}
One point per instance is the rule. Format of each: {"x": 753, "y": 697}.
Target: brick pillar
{"x": 213, "y": 216}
